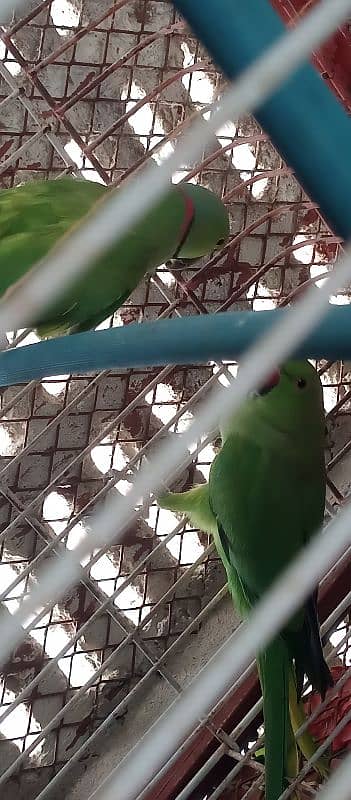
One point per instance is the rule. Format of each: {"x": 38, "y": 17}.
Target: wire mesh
{"x": 96, "y": 89}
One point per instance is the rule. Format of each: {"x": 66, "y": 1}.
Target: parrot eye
{"x": 301, "y": 383}
{"x": 220, "y": 242}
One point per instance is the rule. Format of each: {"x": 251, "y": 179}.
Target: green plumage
{"x": 189, "y": 222}
{"x": 266, "y": 493}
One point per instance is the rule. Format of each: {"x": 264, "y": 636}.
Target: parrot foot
{"x": 230, "y": 744}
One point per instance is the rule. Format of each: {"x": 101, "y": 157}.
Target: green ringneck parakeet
{"x": 264, "y": 500}
{"x": 188, "y": 222}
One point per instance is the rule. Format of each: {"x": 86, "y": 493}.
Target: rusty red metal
{"x": 333, "y": 590}
{"x": 203, "y": 743}
{"x": 336, "y": 709}
{"x": 333, "y": 59}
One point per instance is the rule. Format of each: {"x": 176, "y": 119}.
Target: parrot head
{"x": 269, "y": 383}
{"x": 291, "y": 400}
{"x": 209, "y": 228}
{"x": 288, "y": 400}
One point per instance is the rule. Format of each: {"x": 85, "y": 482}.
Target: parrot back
{"x": 33, "y": 218}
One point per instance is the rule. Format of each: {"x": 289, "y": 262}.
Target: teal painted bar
{"x": 188, "y": 340}
{"x": 305, "y": 121}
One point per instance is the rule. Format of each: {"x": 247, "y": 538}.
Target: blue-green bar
{"x": 305, "y": 121}
{"x": 188, "y": 340}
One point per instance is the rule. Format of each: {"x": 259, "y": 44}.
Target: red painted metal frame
{"x": 333, "y": 590}
{"x": 333, "y": 59}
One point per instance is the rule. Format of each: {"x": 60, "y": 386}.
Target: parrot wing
{"x": 189, "y": 221}
{"x": 57, "y": 326}
{"x": 265, "y": 508}
{"x": 281, "y": 757}
{"x": 194, "y": 504}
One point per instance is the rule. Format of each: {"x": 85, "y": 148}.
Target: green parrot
{"x": 188, "y": 222}
{"x": 263, "y": 502}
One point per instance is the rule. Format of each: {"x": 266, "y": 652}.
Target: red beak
{"x": 270, "y": 383}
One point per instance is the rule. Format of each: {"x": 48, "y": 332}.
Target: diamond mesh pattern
{"x": 96, "y": 88}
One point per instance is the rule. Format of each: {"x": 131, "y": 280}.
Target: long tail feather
{"x": 321, "y": 677}
{"x": 305, "y": 741}
{"x": 281, "y": 762}
{"x": 306, "y": 646}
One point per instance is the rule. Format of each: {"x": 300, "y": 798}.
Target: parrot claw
{"x": 231, "y": 746}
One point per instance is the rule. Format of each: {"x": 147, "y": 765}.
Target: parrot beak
{"x": 270, "y": 383}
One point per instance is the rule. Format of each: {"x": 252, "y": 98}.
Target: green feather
{"x": 195, "y": 504}
{"x": 281, "y": 762}
{"x": 189, "y": 221}
{"x": 266, "y": 493}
